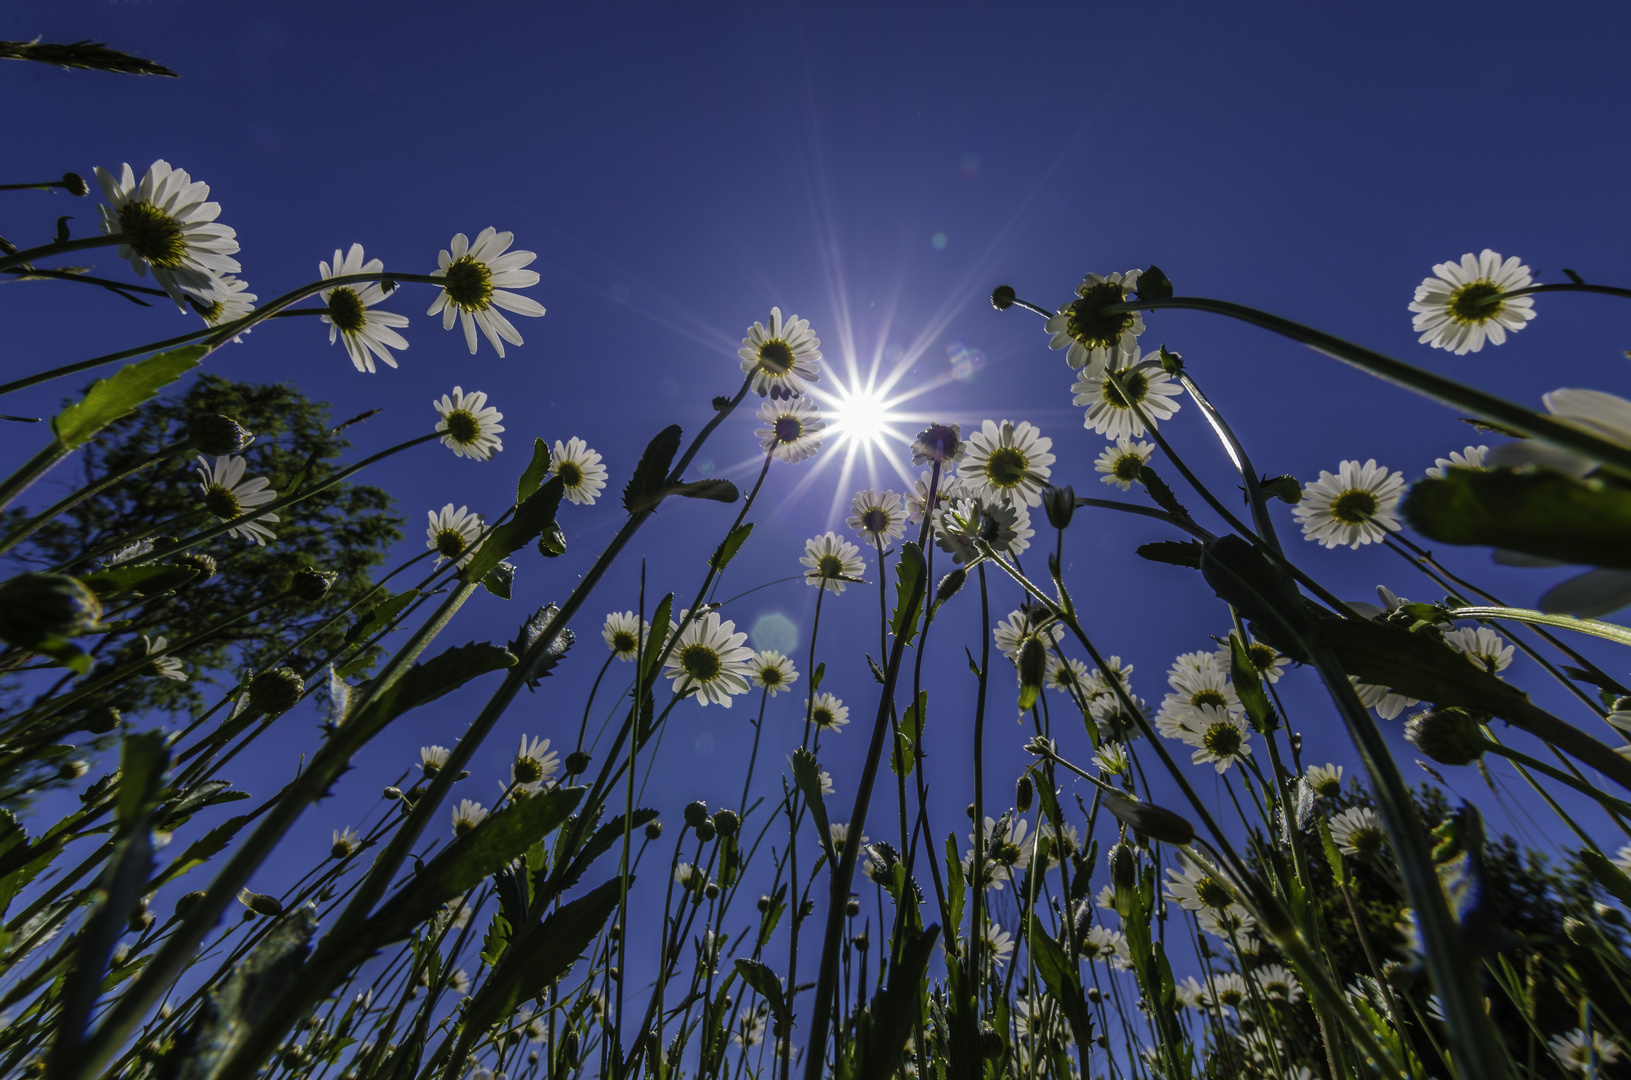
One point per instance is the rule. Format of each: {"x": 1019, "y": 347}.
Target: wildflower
{"x": 1482, "y": 646}
{"x": 1193, "y": 689}
{"x": 1121, "y": 461}
{"x": 459, "y": 981}
{"x": 1267, "y": 661}
{"x": 1448, "y": 735}
{"x": 939, "y": 442}
{"x": 877, "y": 516}
{"x": 169, "y": 225}
{"x": 276, "y": 691}
{"x": 917, "y": 500}
{"x": 1226, "y": 990}
{"x": 709, "y": 661}
{"x": 228, "y": 496}
{"x": 780, "y": 357}
{"x": 999, "y": 944}
{"x": 828, "y": 713}
{"x": 1324, "y": 780}
{"x": 1458, "y": 308}
{"x": 1112, "y": 757}
{"x": 1106, "y": 898}
{"x": 477, "y": 279}
{"x": 582, "y": 475}
{"x": 467, "y": 815}
{"x": 1114, "y": 719}
{"x": 232, "y": 301}
{"x": 165, "y": 667}
{"x": 1063, "y": 843}
{"x": 459, "y": 913}
{"x": 1021, "y": 625}
{"x": 1622, "y": 858}
{"x": 1218, "y": 736}
{"x": 1357, "y": 831}
{"x": 1278, "y": 983}
{"x": 1580, "y": 1054}
{"x": 959, "y": 524}
{"x": 535, "y": 763}
{"x": 1387, "y": 704}
{"x": 838, "y": 832}
{"x": 1471, "y": 458}
{"x": 690, "y": 877}
{"x": 468, "y": 425}
{"x": 1103, "y": 943}
{"x": 624, "y": 633}
{"x": 1190, "y": 993}
{"x": 1008, "y": 462}
{"x": 832, "y": 562}
{"x": 1040, "y": 1019}
{"x": 431, "y": 759}
{"x": 750, "y": 1029}
{"x": 992, "y": 873}
{"x": 1195, "y": 888}
{"x": 1067, "y": 675}
{"x": 1084, "y": 327}
{"x": 1356, "y": 506}
{"x": 772, "y": 671}
{"x": 1110, "y": 407}
{"x": 345, "y": 843}
{"x": 826, "y": 782}
{"x": 367, "y": 334}
{"x": 451, "y": 533}
{"x": 1006, "y": 845}
{"x": 792, "y": 430}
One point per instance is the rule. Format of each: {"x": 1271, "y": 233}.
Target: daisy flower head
{"x": 1278, "y": 983}
{"x": 168, "y": 224}
{"x": 582, "y": 475}
{"x": 838, "y": 832}
{"x": 939, "y": 442}
{"x": 960, "y": 523}
{"x": 917, "y": 500}
{"x": 367, "y": 334}
{"x": 1218, "y": 736}
{"x": 709, "y": 661}
{"x": 1111, "y": 757}
{"x": 999, "y": 945}
{"x": 831, "y": 562}
{"x": 828, "y": 713}
{"x": 469, "y": 426}
{"x": 1084, "y": 326}
{"x": 877, "y": 516}
{"x": 1022, "y": 624}
{"x": 451, "y": 534}
{"x": 1008, "y": 462}
{"x": 1459, "y": 307}
{"x": 1005, "y": 843}
{"x": 1231, "y": 923}
{"x": 1387, "y": 704}
{"x": 1121, "y": 461}
{"x": 165, "y": 667}
{"x": 1482, "y": 646}
{"x": 792, "y": 430}
{"x": 1622, "y": 858}
{"x": 1358, "y": 831}
{"x": 1105, "y": 944}
{"x": 824, "y": 778}
{"x": 228, "y": 495}
{"x": 1354, "y": 506}
{"x": 345, "y": 843}
{"x": 1268, "y": 662}
{"x": 772, "y": 672}
{"x": 467, "y": 815}
{"x": 1471, "y": 458}
{"x": 1190, "y": 993}
{"x": 623, "y": 634}
{"x": 1110, "y": 407}
{"x": 1068, "y": 675}
{"x": 781, "y": 357}
{"x": 1226, "y": 990}
{"x": 1324, "y": 780}
{"x": 232, "y": 301}
{"x": 1193, "y": 887}
{"x": 477, "y": 280}
{"x": 1193, "y": 690}
{"x": 432, "y": 759}
{"x": 1065, "y": 843}
{"x": 1113, "y": 719}
{"x": 535, "y": 763}
{"x": 1580, "y": 1054}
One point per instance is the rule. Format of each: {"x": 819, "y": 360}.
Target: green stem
{"x": 94, "y": 488}
{"x": 34, "y": 468}
{"x": 62, "y": 247}
{"x": 1612, "y": 631}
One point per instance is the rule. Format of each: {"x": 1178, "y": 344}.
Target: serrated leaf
{"x": 1160, "y": 492}
{"x": 1172, "y": 552}
{"x": 552, "y": 541}
{"x": 140, "y": 580}
{"x": 532, "y": 516}
{"x": 119, "y": 395}
{"x": 713, "y": 490}
{"x": 495, "y": 940}
{"x": 729, "y": 546}
{"x": 601, "y": 842}
{"x": 897, "y": 1008}
{"x": 645, "y": 487}
{"x": 379, "y": 614}
{"x": 200, "y": 851}
{"x": 1064, "y": 983}
{"x": 1538, "y": 513}
{"x": 911, "y": 735}
{"x": 769, "y": 985}
{"x": 536, "y": 472}
{"x": 807, "y": 775}
{"x": 499, "y": 580}
{"x": 910, "y": 584}
{"x": 429, "y": 680}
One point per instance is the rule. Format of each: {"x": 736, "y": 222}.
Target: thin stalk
{"x": 96, "y": 487}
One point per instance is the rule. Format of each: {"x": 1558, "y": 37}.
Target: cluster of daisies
{"x": 533, "y": 769}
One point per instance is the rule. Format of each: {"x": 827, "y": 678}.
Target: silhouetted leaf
{"x": 1538, "y": 513}
{"x": 645, "y": 487}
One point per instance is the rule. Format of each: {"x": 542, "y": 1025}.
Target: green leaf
{"x": 1285, "y": 488}
{"x": 1160, "y": 492}
{"x": 428, "y": 681}
{"x": 769, "y": 985}
{"x": 1173, "y": 552}
{"x": 142, "y": 761}
{"x": 536, "y": 472}
{"x": 729, "y": 546}
{"x": 897, "y": 1008}
{"x": 713, "y": 490}
{"x": 532, "y": 516}
{"x": 911, "y": 735}
{"x": 807, "y": 775}
{"x": 1064, "y": 982}
{"x": 200, "y": 851}
{"x": 119, "y": 395}
{"x": 499, "y": 580}
{"x": 645, "y": 487}
{"x": 142, "y": 580}
{"x": 655, "y": 638}
{"x": 1248, "y": 686}
{"x": 910, "y": 581}
{"x": 552, "y": 541}
{"x": 495, "y": 940}
{"x": 955, "y": 888}
{"x": 1606, "y": 874}
{"x": 600, "y": 843}
{"x": 1540, "y": 513}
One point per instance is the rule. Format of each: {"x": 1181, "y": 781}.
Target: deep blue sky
{"x": 680, "y": 170}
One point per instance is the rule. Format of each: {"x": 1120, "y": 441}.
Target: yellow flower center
{"x": 776, "y": 357}
{"x": 623, "y": 641}
{"x": 469, "y": 283}
{"x": 528, "y": 770}
{"x": 1006, "y": 466}
{"x": 1354, "y": 506}
{"x": 221, "y": 502}
{"x": 462, "y": 427}
{"x": 571, "y": 474}
{"x": 154, "y": 235}
{"x": 1126, "y": 467}
{"x": 788, "y": 429}
{"x": 1091, "y": 325}
{"x": 1475, "y": 303}
{"x": 830, "y": 566}
{"x": 451, "y": 543}
{"x": 1137, "y": 389}
{"x": 346, "y": 311}
{"x": 700, "y": 662}
{"x": 1223, "y": 740}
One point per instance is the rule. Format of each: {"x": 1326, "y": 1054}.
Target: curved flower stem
{"x": 1561, "y": 286}
{"x": 1585, "y": 787}
{"x": 1612, "y": 631}
{"x": 1242, "y": 463}
{"x": 62, "y": 247}
{"x": 31, "y": 470}
{"x": 95, "y": 488}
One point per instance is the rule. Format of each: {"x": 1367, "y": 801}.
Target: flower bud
{"x": 311, "y": 585}
{"x": 1033, "y": 664}
{"x": 260, "y": 903}
{"x": 949, "y": 585}
{"x": 277, "y": 691}
{"x": 73, "y": 770}
{"x": 35, "y": 608}
{"x": 991, "y": 1043}
{"x": 1094, "y": 995}
{"x": 214, "y": 434}
{"x": 1022, "y": 794}
{"x": 100, "y": 719}
{"x": 392, "y": 793}
{"x": 1002, "y": 297}
{"x": 576, "y": 762}
{"x": 654, "y": 829}
{"x": 1123, "y": 867}
{"x": 721, "y": 403}
{"x": 74, "y": 184}
{"x": 764, "y": 902}
{"x": 1611, "y": 915}
{"x": 204, "y": 564}
{"x": 1583, "y": 933}
{"x": 1449, "y": 736}
{"x": 807, "y": 908}
{"x": 711, "y": 890}
{"x": 726, "y": 822}
{"x": 1154, "y": 285}
{"x": 852, "y": 907}
{"x": 696, "y": 813}
{"x": 705, "y": 830}
{"x": 1155, "y": 822}
{"x": 1060, "y": 503}
{"x": 572, "y": 1049}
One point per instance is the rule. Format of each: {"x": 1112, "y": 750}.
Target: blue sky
{"x": 875, "y": 168}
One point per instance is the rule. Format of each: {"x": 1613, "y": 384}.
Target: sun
{"x": 861, "y": 419}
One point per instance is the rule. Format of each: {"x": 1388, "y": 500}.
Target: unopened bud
{"x": 1583, "y": 933}
{"x": 1613, "y": 916}
{"x": 38, "y": 608}
{"x": 852, "y": 907}
{"x": 726, "y": 822}
{"x": 1002, "y": 297}
{"x": 1123, "y": 867}
{"x": 260, "y": 903}
{"x": 572, "y": 1049}
{"x": 186, "y": 902}
{"x": 100, "y": 719}
{"x": 949, "y": 585}
{"x": 654, "y": 829}
{"x": 1449, "y": 736}
{"x": 1155, "y": 822}
{"x": 721, "y": 403}
{"x": 807, "y": 908}
{"x": 204, "y": 564}
{"x": 991, "y": 1043}
{"x": 1023, "y": 793}
{"x": 705, "y": 830}
{"x": 311, "y": 584}
{"x": 1154, "y": 285}
{"x": 1060, "y": 504}
{"x": 73, "y": 770}
{"x": 576, "y": 762}
{"x": 392, "y": 793}
{"x": 74, "y": 184}
{"x": 1094, "y": 995}
{"x": 711, "y": 891}
{"x": 764, "y": 902}
{"x": 1033, "y": 664}
{"x": 696, "y": 813}
{"x": 276, "y": 691}
{"x": 215, "y": 434}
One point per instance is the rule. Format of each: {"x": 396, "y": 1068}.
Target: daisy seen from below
{"x": 1008, "y": 462}
{"x": 228, "y": 495}
{"x": 917, "y": 500}
{"x": 1580, "y": 1054}
{"x": 1266, "y": 660}
{"x": 1005, "y": 843}
{"x": 1357, "y": 505}
{"x": 1470, "y": 457}
{"x": 1114, "y": 719}
{"x": 999, "y": 945}
{"x": 1458, "y": 307}
{"x": 1084, "y": 327}
{"x": 451, "y": 534}
{"x": 1218, "y": 736}
{"x": 1194, "y": 689}
{"x": 535, "y": 763}
{"x": 1231, "y": 923}
{"x": 477, "y": 279}
{"x": 1482, "y": 646}
{"x": 792, "y": 430}
{"x": 469, "y": 426}
{"x": 1021, "y": 625}
{"x": 1387, "y": 704}
{"x": 959, "y": 524}
{"x": 623, "y": 633}
{"x": 832, "y": 562}
{"x": 772, "y": 672}
{"x": 709, "y": 661}
{"x": 366, "y": 334}
{"x": 431, "y": 759}
{"x": 877, "y": 516}
{"x": 828, "y": 713}
{"x": 1278, "y": 983}
{"x": 1108, "y": 946}
{"x": 1195, "y": 888}
{"x": 1358, "y": 831}
{"x": 838, "y": 832}
{"x": 165, "y": 667}
{"x": 345, "y": 843}
{"x": 232, "y": 301}
{"x": 939, "y": 442}
{"x": 168, "y": 224}
{"x": 467, "y": 815}
{"x": 1622, "y": 858}
{"x": 1324, "y": 780}
{"x": 1068, "y": 675}
{"x": 782, "y": 357}
{"x": 1121, "y": 461}
{"x": 1226, "y": 990}
{"x": 582, "y": 475}
{"x": 1110, "y": 408}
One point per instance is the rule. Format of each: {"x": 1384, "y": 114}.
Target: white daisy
{"x": 232, "y": 301}
{"x": 535, "y": 763}
{"x": 1324, "y": 780}
{"x": 1067, "y": 676}
{"x": 1578, "y": 1054}
{"x": 1107, "y": 945}
{"x": 1226, "y": 990}
{"x": 582, "y": 475}
{"x": 999, "y": 944}
{"x": 939, "y": 442}
{"x": 1191, "y": 690}
{"x": 165, "y": 667}
{"x": 623, "y": 633}
{"x": 832, "y": 562}
{"x": 877, "y": 516}
{"x": 345, "y": 843}
{"x": 1109, "y": 410}
{"x": 1084, "y": 327}
{"x": 469, "y": 426}
{"x": 709, "y": 661}
{"x": 772, "y": 671}
{"x": 1218, "y": 736}
{"x": 169, "y": 225}
{"x": 1022, "y": 624}
{"x": 1358, "y": 831}
{"x": 838, "y": 832}
{"x": 1231, "y": 923}
{"x": 1195, "y": 888}
{"x": 1192, "y": 665}
{"x": 1471, "y": 457}
{"x": 690, "y": 877}
{"x": 782, "y": 357}
{"x": 451, "y": 534}
{"x": 1482, "y": 646}
{"x": 792, "y": 430}
{"x": 825, "y": 779}
{"x": 1065, "y": 843}
{"x": 1121, "y": 461}
{"x": 828, "y": 713}
{"x": 1114, "y": 720}
{"x": 1457, "y": 308}
{"x": 918, "y": 498}
{"x": 228, "y": 495}
{"x": 478, "y": 277}
{"x": 1622, "y": 858}
{"x": 1278, "y": 983}
{"x": 432, "y": 759}
{"x": 459, "y": 983}
{"x": 1005, "y": 843}
{"x": 1266, "y": 661}
{"x": 1387, "y": 704}
{"x": 1355, "y": 506}
{"x": 750, "y": 1029}
{"x": 957, "y": 524}
{"x": 467, "y": 815}
{"x": 1008, "y": 462}
{"x": 367, "y": 334}
{"x": 1190, "y": 993}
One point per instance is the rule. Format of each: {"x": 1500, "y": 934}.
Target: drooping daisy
{"x": 1387, "y": 704}
{"x": 782, "y": 357}
{"x": 999, "y": 944}
{"x": 165, "y": 667}
{"x": 792, "y": 430}
{"x": 1324, "y": 780}
{"x": 1355, "y": 506}
{"x": 168, "y": 224}
{"x": 535, "y": 763}
{"x": 1358, "y": 831}
{"x": 451, "y": 534}
{"x": 1278, "y": 983}
{"x": 772, "y": 671}
{"x": 1482, "y": 646}
{"x": 582, "y": 475}
{"x": 1114, "y": 672}
{"x": 232, "y": 301}
{"x": 1067, "y": 675}
{"x": 1578, "y": 1054}
{"x": 939, "y": 442}
{"x": 828, "y": 713}
{"x": 1110, "y": 408}
{"x": 1021, "y": 624}
{"x": 1195, "y": 888}
{"x": 623, "y": 633}
{"x": 877, "y": 516}
{"x": 1217, "y": 735}
{"x": 1267, "y": 661}
{"x": 345, "y": 843}
{"x": 1471, "y": 457}
{"x": 477, "y": 279}
{"x": 432, "y": 759}
{"x": 367, "y": 334}
{"x": 469, "y": 426}
{"x": 958, "y": 524}
{"x": 1457, "y": 308}
{"x": 467, "y": 815}
{"x": 1121, "y": 461}
{"x": 1083, "y": 326}
{"x": 1008, "y": 462}
{"x": 709, "y": 661}
{"x": 228, "y": 495}
{"x": 831, "y": 562}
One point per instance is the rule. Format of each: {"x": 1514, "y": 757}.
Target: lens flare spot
{"x": 938, "y": 241}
